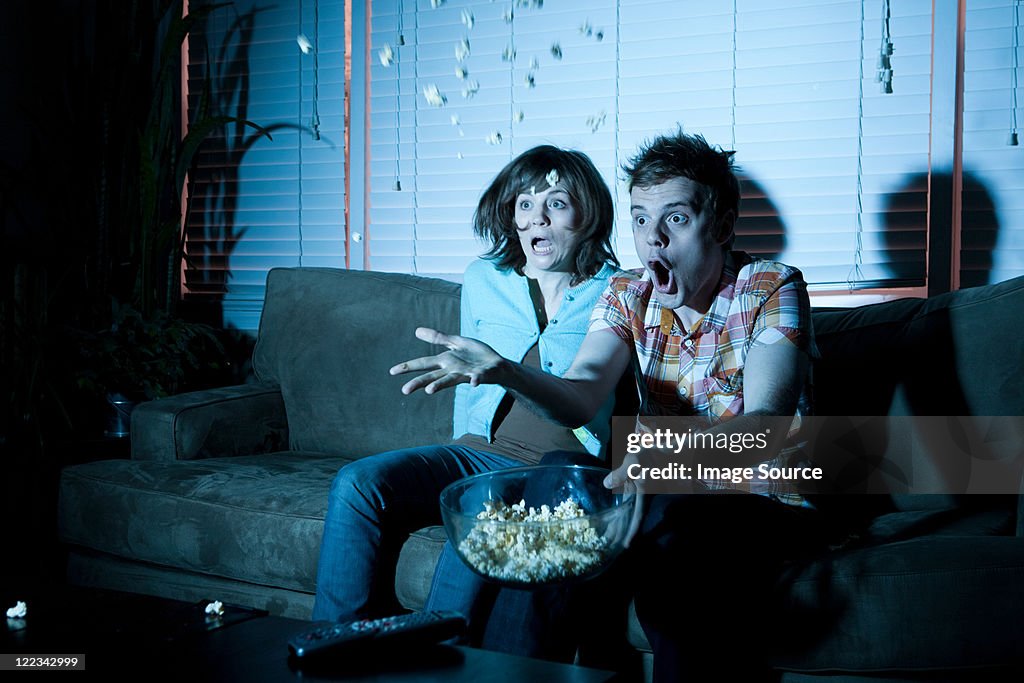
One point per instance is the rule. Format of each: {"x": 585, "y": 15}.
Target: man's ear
{"x": 724, "y": 227}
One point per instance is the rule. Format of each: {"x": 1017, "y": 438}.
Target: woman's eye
{"x": 556, "y": 204}
{"x": 525, "y": 205}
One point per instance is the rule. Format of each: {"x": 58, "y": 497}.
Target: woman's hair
{"x": 494, "y": 219}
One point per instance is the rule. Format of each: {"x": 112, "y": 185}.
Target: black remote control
{"x": 417, "y": 628}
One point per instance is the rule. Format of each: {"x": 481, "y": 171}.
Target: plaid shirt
{"x": 700, "y": 371}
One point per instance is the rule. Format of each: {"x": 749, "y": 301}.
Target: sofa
{"x": 225, "y": 492}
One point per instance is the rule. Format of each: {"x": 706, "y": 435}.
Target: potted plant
{"x": 147, "y": 350}
{"x": 145, "y": 357}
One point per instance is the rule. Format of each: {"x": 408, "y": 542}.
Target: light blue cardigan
{"x": 497, "y": 310}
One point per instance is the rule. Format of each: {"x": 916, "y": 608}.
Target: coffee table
{"x": 117, "y": 633}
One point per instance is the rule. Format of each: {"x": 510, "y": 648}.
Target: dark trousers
{"x": 702, "y": 571}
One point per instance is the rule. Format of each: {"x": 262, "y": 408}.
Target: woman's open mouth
{"x": 541, "y": 246}
{"x": 662, "y": 277}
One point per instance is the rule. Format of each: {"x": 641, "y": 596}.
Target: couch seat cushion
{"x": 933, "y": 602}
{"x": 251, "y": 518}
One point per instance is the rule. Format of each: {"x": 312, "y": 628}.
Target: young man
{"x": 715, "y": 334}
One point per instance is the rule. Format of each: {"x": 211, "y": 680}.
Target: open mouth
{"x": 541, "y": 246}
{"x": 662, "y": 277}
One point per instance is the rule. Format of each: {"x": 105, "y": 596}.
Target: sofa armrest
{"x": 239, "y": 420}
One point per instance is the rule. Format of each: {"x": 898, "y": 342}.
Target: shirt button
{"x": 549, "y": 363}
{"x": 688, "y": 343}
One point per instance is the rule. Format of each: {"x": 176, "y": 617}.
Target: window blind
{"x": 444, "y": 156}
{"x": 831, "y": 165}
{"x": 257, "y": 203}
{"x": 992, "y": 229}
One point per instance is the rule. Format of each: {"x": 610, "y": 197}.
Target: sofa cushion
{"x": 928, "y": 603}
{"x": 328, "y": 337}
{"x": 252, "y": 518}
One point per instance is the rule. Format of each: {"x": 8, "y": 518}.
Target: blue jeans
{"x": 374, "y": 504}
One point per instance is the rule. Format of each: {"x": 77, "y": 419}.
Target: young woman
{"x": 548, "y": 219}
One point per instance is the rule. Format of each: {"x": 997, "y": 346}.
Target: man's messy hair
{"x": 681, "y": 155}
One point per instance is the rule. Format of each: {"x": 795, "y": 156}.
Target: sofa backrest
{"x": 956, "y": 354}
{"x": 959, "y": 353}
{"x": 328, "y": 336}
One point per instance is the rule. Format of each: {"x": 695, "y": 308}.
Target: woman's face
{"x": 547, "y": 226}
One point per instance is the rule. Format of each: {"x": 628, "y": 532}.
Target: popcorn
{"x": 538, "y": 546}
{"x": 552, "y": 177}
{"x": 18, "y": 611}
{"x": 468, "y": 19}
{"x": 215, "y": 608}
{"x": 433, "y": 96}
{"x": 595, "y": 121}
{"x": 462, "y": 49}
{"x": 470, "y": 89}
{"x": 386, "y": 55}
{"x": 304, "y": 45}
{"x": 494, "y": 138}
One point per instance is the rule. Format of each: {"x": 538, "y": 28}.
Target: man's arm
{"x": 572, "y": 400}
{"x": 773, "y": 378}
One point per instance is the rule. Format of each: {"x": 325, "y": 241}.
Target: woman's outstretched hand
{"x": 467, "y": 361}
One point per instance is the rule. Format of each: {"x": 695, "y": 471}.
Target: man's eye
{"x": 640, "y": 221}
{"x": 677, "y": 219}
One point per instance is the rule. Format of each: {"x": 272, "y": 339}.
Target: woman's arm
{"x": 572, "y": 400}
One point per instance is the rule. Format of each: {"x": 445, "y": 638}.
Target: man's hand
{"x": 619, "y": 477}
{"x": 467, "y": 361}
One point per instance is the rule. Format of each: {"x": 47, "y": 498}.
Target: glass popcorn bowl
{"x": 575, "y": 529}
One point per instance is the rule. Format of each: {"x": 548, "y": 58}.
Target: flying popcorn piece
{"x": 456, "y": 121}
{"x": 508, "y": 15}
{"x": 386, "y": 55}
{"x": 530, "y": 81}
{"x": 468, "y": 19}
{"x": 461, "y": 73}
{"x": 462, "y": 49}
{"x": 534, "y": 64}
{"x": 436, "y": 3}
{"x": 18, "y": 611}
{"x": 304, "y": 43}
{"x": 556, "y": 50}
{"x": 433, "y": 96}
{"x": 586, "y": 29}
{"x": 470, "y": 89}
{"x": 599, "y": 35}
{"x": 509, "y": 54}
{"x": 215, "y": 608}
{"x": 595, "y": 121}
{"x": 552, "y": 177}
{"x": 520, "y": 115}
{"x": 494, "y": 138}
{"x": 459, "y": 156}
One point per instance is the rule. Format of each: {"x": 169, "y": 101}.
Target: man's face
{"x": 677, "y": 242}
